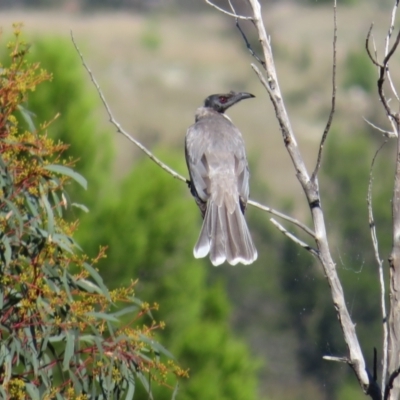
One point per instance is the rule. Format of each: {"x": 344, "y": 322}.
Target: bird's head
{"x": 221, "y": 102}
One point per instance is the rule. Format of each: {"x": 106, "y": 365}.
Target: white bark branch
{"x": 231, "y": 14}
{"x": 311, "y": 190}
{"x": 380, "y": 273}
{"x": 294, "y": 221}
{"x": 295, "y": 239}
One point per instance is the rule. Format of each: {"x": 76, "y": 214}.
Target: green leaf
{"x": 56, "y": 202}
{"x": 175, "y": 392}
{"x": 88, "y": 286}
{"x": 32, "y": 391}
{"x": 156, "y": 346}
{"x": 7, "y": 249}
{"x": 98, "y": 279}
{"x": 80, "y": 206}
{"x": 63, "y": 170}
{"x": 63, "y": 242}
{"x": 69, "y": 349}
{"x": 126, "y": 310}
{"x": 27, "y": 116}
{"x": 102, "y": 316}
{"x": 145, "y": 384}
{"x": 15, "y": 214}
{"x": 49, "y": 211}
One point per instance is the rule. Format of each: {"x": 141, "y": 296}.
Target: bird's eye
{"x": 223, "y": 99}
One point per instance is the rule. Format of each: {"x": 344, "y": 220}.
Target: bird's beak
{"x": 235, "y": 97}
{"x": 242, "y": 95}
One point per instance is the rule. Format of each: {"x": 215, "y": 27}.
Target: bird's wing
{"x": 211, "y": 144}
{"x": 195, "y": 149}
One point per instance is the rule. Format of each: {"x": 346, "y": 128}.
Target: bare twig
{"x": 385, "y": 133}
{"x": 373, "y": 59}
{"x": 118, "y": 126}
{"x": 391, "y": 84}
{"x": 382, "y": 74}
{"x": 337, "y": 359}
{"x": 391, "y": 27}
{"x": 387, "y": 41}
{"x": 295, "y": 239}
{"x": 333, "y": 99}
{"x": 227, "y": 12}
{"x": 283, "y": 216}
{"x": 248, "y": 45}
{"x": 380, "y": 270}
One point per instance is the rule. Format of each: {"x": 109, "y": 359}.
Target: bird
{"x": 219, "y": 181}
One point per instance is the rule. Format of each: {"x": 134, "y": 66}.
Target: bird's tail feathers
{"x": 225, "y": 236}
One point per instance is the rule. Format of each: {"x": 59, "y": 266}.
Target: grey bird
{"x": 219, "y": 181}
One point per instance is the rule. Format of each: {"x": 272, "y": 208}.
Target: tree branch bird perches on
{"x": 219, "y": 181}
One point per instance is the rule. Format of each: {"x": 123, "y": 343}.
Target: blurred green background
{"x": 245, "y": 332}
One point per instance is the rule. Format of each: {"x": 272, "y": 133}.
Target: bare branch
{"x": 380, "y": 270}
{"x": 373, "y": 59}
{"x": 252, "y": 52}
{"x": 387, "y": 41}
{"x": 118, "y": 126}
{"x": 311, "y": 190}
{"x": 381, "y": 79}
{"x": 295, "y": 239}
{"x": 388, "y": 56}
{"x": 283, "y": 216}
{"x": 391, "y": 84}
{"x": 337, "y": 359}
{"x": 227, "y": 12}
{"x": 333, "y": 99}
{"x": 391, "y": 27}
{"x": 385, "y": 133}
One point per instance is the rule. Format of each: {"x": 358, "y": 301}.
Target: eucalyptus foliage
{"x": 60, "y": 330}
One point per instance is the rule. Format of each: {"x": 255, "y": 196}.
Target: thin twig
{"x": 379, "y": 261}
{"x": 391, "y": 84}
{"x": 118, "y": 126}
{"x": 283, "y": 216}
{"x": 385, "y": 133}
{"x": 248, "y": 45}
{"x": 295, "y": 239}
{"x": 333, "y": 99}
{"x": 387, "y": 41}
{"x": 388, "y": 56}
{"x": 337, "y": 359}
{"x": 391, "y": 27}
{"x": 227, "y": 12}
{"x": 382, "y": 74}
{"x": 373, "y": 59}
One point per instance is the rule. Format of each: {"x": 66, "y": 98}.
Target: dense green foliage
{"x": 60, "y": 332}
